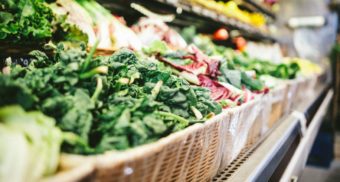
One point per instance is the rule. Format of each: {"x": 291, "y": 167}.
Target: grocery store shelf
{"x": 282, "y": 152}
{"x": 261, "y": 8}
{"x": 253, "y": 6}
{"x": 205, "y": 20}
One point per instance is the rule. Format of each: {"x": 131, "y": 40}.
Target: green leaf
{"x": 113, "y": 142}
{"x": 251, "y": 83}
{"x": 5, "y": 18}
{"x": 233, "y": 77}
{"x": 123, "y": 121}
{"x": 156, "y": 124}
{"x": 156, "y": 47}
{"x": 15, "y": 93}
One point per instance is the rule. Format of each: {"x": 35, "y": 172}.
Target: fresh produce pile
{"x": 33, "y": 22}
{"x": 98, "y": 23}
{"x": 114, "y": 102}
{"x": 157, "y": 82}
{"x": 25, "y": 21}
{"x": 228, "y": 87}
{"x": 242, "y": 63}
{"x": 199, "y": 69}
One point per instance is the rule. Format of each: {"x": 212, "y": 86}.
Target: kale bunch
{"x": 25, "y": 20}
{"x": 33, "y": 22}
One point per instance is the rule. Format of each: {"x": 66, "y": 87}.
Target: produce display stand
{"x": 260, "y": 8}
{"x": 282, "y": 153}
{"x": 193, "y": 154}
{"x": 233, "y": 145}
{"x": 264, "y": 139}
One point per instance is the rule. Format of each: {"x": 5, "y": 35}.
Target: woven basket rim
{"x": 77, "y": 171}
{"x": 163, "y": 141}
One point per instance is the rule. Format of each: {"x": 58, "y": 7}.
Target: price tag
{"x": 303, "y": 121}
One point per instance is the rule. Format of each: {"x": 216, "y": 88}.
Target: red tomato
{"x": 240, "y": 43}
{"x": 221, "y": 34}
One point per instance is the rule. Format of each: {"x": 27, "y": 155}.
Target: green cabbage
{"x": 29, "y": 145}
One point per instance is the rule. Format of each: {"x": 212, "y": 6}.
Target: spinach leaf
{"x": 105, "y": 103}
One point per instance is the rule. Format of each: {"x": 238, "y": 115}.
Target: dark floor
{"x": 314, "y": 174}
{"x": 332, "y": 174}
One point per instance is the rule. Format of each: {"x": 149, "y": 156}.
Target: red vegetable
{"x": 218, "y": 91}
{"x": 191, "y": 68}
{"x": 240, "y": 43}
{"x": 212, "y": 64}
{"x": 201, "y": 63}
{"x": 221, "y": 34}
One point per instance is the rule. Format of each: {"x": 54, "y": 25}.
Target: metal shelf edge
{"x": 300, "y": 156}
{"x": 261, "y": 163}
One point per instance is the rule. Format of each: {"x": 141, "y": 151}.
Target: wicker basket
{"x": 259, "y": 126}
{"x": 192, "y": 154}
{"x": 163, "y": 160}
{"x": 73, "y": 168}
{"x": 236, "y": 130}
{"x": 103, "y": 52}
{"x": 300, "y": 92}
{"x": 196, "y": 153}
{"x": 290, "y": 95}
{"x": 307, "y": 87}
{"x": 9, "y": 49}
{"x": 277, "y": 102}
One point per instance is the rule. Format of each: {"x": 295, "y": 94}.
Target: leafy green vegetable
{"x": 261, "y": 67}
{"x": 189, "y": 34}
{"x": 33, "y": 22}
{"x": 25, "y": 20}
{"x": 65, "y": 31}
{"x": 241, "y": 62}
{"x": 106, "y": 103}
{"x": 29, "y": 144}
{"x": 156, "y": 47}
{"x": 231, "y": 76}
{"x": 237, "y": 77}
{"x": 253, "y": 84}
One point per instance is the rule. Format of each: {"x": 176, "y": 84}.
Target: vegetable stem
{"x": 94, "y": 71}
{"x": 99, "y": 88}
{"x": 174, "y": 116}
{"x": 90, "y": 55}
{"x": 197, "y": 113}
{"x": 156, "y": 89}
